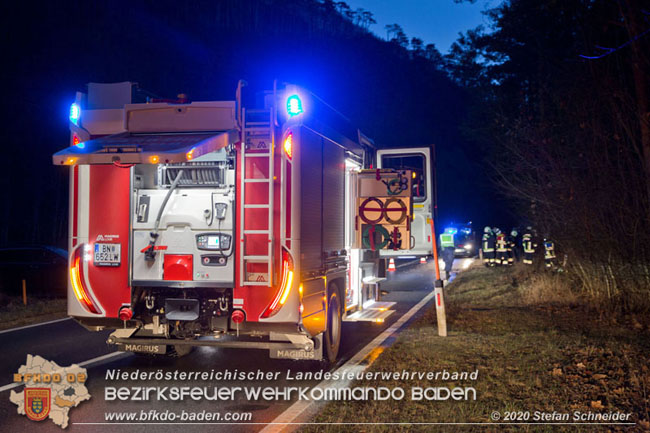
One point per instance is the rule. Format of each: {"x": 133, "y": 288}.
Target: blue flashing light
{"x": 75, "y": 113}
{"x": 294, "y": 105}
{"x": 451, "y": 230}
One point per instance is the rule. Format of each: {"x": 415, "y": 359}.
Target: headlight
{"x": 468, "y": 246}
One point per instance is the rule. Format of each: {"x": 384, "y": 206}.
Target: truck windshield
{"x": 415, "y": 162}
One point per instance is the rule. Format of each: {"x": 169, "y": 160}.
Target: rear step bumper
{"x": 306, "y": 349}
{"x": 376, "y": 312}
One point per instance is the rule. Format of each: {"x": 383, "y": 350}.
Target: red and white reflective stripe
{"x": 284, "y": 288}
{"x": 75, "y": 204}
{"x": 155, "y": 248}
{"x": 79, "y": 281}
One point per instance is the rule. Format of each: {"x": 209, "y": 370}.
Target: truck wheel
{"x": 332, "y": 339}
{"x": 178, "y": 350}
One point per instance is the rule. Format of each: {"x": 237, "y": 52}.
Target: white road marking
{"x": 34, "y": 325}
{"x": 286, "y": 421}
{"x": 98, "y": 360}
{"x": 410, "y": 262}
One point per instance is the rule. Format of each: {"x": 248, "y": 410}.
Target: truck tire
{"x": 179, "y": 350}
{"x": 332, "y": 340}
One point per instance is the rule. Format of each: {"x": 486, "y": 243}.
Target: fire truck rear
{"x": 214, "y": 224}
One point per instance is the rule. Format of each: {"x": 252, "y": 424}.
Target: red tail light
{"x": 284, "y": 288}
{"x": 77, "y": 281}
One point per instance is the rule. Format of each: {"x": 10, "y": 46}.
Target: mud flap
{"x": 302, "y": 354}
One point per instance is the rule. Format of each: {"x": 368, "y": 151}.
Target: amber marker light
{"x": 77, "y": 286}
{"x": 288, "y": 146}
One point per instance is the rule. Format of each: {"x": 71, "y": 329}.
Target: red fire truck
{"x": 216, "y": 224}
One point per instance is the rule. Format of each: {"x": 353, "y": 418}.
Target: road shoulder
{"x": 529, "y": 356}
{"x": 13, "y": 314}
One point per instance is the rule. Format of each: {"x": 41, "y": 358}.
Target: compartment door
{"x": 419, "y": 161}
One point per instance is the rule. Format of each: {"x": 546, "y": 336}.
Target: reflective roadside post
{"x": 440, "y": 299}
{"x": 24, "y": 292}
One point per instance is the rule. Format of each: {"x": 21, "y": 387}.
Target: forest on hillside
{"x": 561, "y": 106}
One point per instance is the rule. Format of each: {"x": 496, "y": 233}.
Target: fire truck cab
{"x": 215, "y": 224}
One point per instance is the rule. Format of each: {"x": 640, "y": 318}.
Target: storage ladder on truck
{"x": 256, "y": 192}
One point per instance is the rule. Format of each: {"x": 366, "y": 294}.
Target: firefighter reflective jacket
{"x": 501, "y": 242}
{"x": 549, "y": 250}
{"x": 488, "y": 243}
{"x": 446, "y": 240}
{"x": 527, "y": 243}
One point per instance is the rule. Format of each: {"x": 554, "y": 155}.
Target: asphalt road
{"x": 66, "y": 343}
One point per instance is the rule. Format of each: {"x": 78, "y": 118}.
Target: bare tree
{"x": 341, "y": 7}
{"x": 391, "y": 30}
{"x": 368, "y": 19}
{"x": 417, "y": 46}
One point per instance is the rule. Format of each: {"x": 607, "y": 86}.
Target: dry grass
{"x": 13, "y": 313}
{"x": 535, "y": 346}
{"x": 612, "y": 285}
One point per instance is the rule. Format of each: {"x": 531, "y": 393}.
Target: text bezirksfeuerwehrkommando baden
{"x": 285, "y": 393}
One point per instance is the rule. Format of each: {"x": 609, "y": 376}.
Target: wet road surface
{"x": 66, "y": 342}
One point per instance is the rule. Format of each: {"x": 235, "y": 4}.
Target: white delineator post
{"x": 438, "y": 286}
{"x": 440, "y": 309}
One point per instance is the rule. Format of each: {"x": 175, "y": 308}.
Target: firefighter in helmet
{"x": 517, "y": 246}
{"x": 501, "y": 247}
{"x": 448, "y": 245}
{"x": 488, "y": 246}
{"x": 549, "y": 253}
{"x": 511, "y": 240}
{"x": 528, "y": 245}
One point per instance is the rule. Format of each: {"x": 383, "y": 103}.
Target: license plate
{"x": 107, "y": 255}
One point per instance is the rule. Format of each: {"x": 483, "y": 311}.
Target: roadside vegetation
{"x": 537, "y": 346}
{"x": 565, "y": 126}
{"x": 13, "y": 313}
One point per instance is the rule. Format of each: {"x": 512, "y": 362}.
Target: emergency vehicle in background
{"x": 465, "y": 239}
{"x": 216, "y": 224}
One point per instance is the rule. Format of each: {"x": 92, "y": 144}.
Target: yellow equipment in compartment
{"x": 383, "y": 210}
